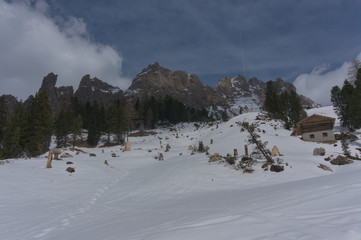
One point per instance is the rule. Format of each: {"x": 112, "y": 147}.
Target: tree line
{"x": 347, "y": 100}
{"x": 285, "y": 106}
{"x": 29, "y": 131}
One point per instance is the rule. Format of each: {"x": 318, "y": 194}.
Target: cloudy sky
{"x": 307, "y": 42}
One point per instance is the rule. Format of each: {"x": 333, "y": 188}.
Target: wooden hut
{"x": 316, "y": 128}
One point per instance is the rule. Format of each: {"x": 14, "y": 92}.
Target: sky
{"x": 309, "y": 43}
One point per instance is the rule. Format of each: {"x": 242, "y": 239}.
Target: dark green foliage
{"x": 285, "y": 106}
{"x": 76, "y": 128}
{"x": 95, "y": 123}
{"x": 151, "y": 111}
{"x": 200, "y": 148}
{"x": 271, "y": 102}
{"x": 116, "y": 121}
{"x": 39, "y": 125}
{"x": 63, "y": 125}
{"x": 344, "y": 145}
{"x": 3, "y": 115}
{"x": 347, "y": 103}
{"x": 13, "y": 144}
{"x": 231, "y": 160}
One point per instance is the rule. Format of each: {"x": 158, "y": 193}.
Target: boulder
{"x": 66, "y": 155}
{"x": 215, "y": 157}
{"x": 341, "y": 160}
{"x": 276, "y": 168}
{"x": 324, "y": 167}
{"x": 70, "y": 170}
{"x": 275, "y": 151}
{"x": 319, "y": 151}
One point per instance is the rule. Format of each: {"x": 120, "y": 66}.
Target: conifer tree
{"x": 76, "y": 128}
{"x": 13, "y": 144}
{"x": 3, "y": 116}
{"x": 39, "y": 125}
{"x": 63, "y": 125}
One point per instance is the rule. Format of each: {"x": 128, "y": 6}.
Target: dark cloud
{"x": 32, "y": 44}
{"x": 266, "y": 39}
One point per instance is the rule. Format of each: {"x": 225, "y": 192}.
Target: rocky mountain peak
{"x": 94, "y": 89}
{"x": 49, "y": 82}
{"x": 58, "y": 97}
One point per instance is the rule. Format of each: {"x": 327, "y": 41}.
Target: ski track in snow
{"x": 183, "y": 197}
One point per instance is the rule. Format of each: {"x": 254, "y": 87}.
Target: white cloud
{"x": 32, "y": 44}
{"x": 317, "y": 85}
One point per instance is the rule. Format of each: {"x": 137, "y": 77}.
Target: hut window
{"x": 325, "y": 134}
{"x": 312, "y": 136}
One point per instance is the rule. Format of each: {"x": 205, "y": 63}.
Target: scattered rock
{"x": 56, "y": 153}
{"x": 275, "y": 151}
{"x": 215, "y": 157}
{"x": 319, "y": 151}
{"x": 167, "y": 147}
{"x": 114, "y": 155}
{"x": 266, "y": 164}
{"x": 127, "y": 146}
{"x": 70, "y": 170}
{"x": 69, "y": 162}
{"x": 160, "y": 157}
{"x": 149, "y": 150}
{"x": 66, "y": 155}
{"x": 106, "y": 162}
{"x": 324, "y": 167}
{"x": 327, "y": 159}
{"x": 248, "y": 170}
{"x": 92, "y": 155}
{"x": 341, "y": 160}
{"x": 276, "y": 168}
{"x": 180, "y": 154}
{"x": 190, "y": 148}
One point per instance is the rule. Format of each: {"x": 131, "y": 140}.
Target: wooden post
{"x": 235, "y": 152}
{"x": 50, "y": 157}
{"x": 211, "y": 141}
{"x": 246, "y": 150}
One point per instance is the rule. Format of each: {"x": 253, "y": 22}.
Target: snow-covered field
{"x": 184, "y": 196}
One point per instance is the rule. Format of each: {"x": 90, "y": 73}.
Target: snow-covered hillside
{"x": 184, "y": 196}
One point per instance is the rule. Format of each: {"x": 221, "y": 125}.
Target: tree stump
{"x": 50, "y": 157}
{"x": 235, "y": 152}
{"x": 127, "y": 146}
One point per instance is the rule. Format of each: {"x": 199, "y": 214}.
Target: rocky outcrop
{"x": 159, "y": 82}
{"x": 10, "y": 104}
{"x": 93, "y": 89}
{"x": 58, "y": 97}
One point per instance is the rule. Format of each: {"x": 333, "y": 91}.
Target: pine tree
{"x": 63, "y": 125}
{"x": 353, "y": 70}
{"x": 39, "y": 125}
{"x": 255, "y": 139}
{"x": 76, "y": 128}
{"x": 271, "y": 102}
{"x": 3, "y": 116}
{"x": 13, "y": 144}
{"x": 95, "y": 124}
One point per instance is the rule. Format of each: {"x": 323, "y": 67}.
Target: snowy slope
{"x": 184, "y": 196}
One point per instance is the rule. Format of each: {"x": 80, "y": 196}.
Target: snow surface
{"x": 184, "y": 196}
